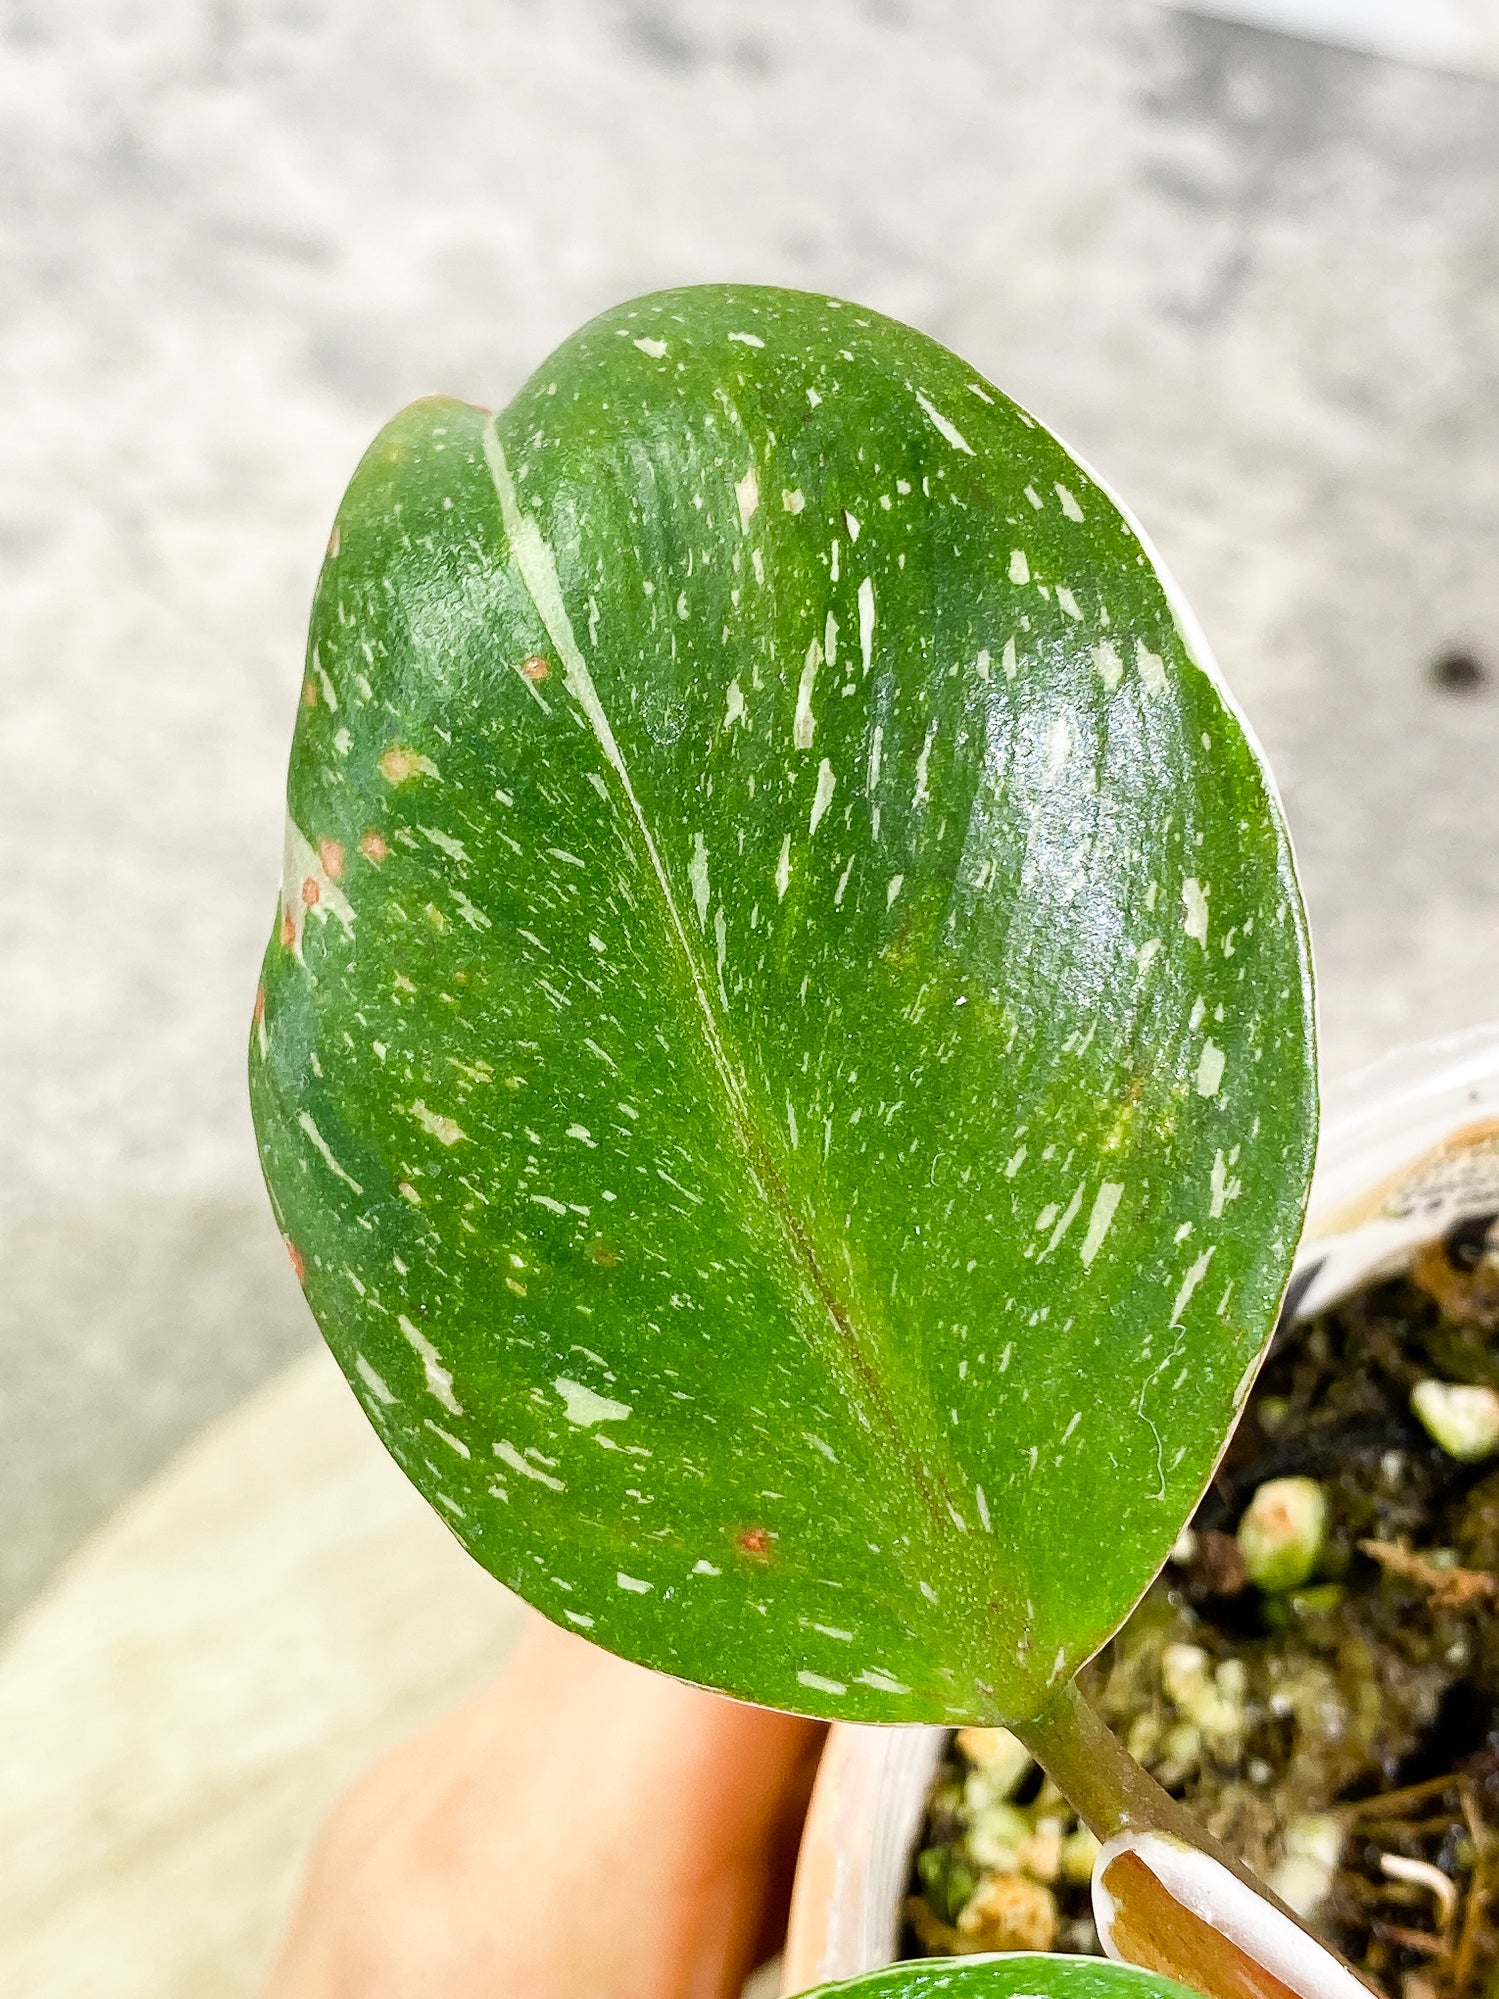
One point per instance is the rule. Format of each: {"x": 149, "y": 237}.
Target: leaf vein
{"x": 538, "y": 570}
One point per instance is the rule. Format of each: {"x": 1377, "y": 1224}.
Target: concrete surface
{"x": 1253, "y": 280}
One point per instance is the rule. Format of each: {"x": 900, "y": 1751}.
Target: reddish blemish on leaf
{"x": 288, "y": 929}
{"x": 536, "y": 668}
{"x": 373, "y": 847}
{"x": 259, "y": 1005}
{"x": 310, "y": 892}
{"x": 605, "y": 1257}
{"x": 298, "y": 1261}
{"x": 333, "y": 542}
{"x": 309, "y": 692}
{"x": 398, "y": 764}
{"x": 331, "y": 854}
{"x": 753, "y": 1542}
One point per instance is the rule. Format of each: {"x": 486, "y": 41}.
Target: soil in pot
{"x": 1316, "y": 1670}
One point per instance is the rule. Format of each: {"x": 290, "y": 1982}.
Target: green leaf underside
{"x": 1024, "y": 1975}
{"x": 796, "y": 1117}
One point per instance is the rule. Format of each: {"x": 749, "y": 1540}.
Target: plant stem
{"x": 1109, "y": 1790}
{"x": 1151, "y": 1927}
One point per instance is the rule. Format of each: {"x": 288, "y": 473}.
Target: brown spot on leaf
{"x": 298, "y": 1261}
{"x": 1124, "y": 1116}
{"x": 373, "y": 847}
{"x": 399, "y": 764}
{"x": 331, "y": 854}
{"x": 333, "y": 542}
{"x": 288, "y": 929}
{"x": 259, "y": 1005}
{"x": 605, "y": 1257}
{"x": 310, "y": 892}
{"x": 754, "y": 1542}
{"x": 536, "y": 668}
{"x": 309, "y": 692}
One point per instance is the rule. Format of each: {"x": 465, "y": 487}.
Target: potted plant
{"x": 785, "y": 1063}
{"x": 1335, "y": 1717}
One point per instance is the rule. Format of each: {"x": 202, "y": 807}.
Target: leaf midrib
{"x": 538, "y": 574}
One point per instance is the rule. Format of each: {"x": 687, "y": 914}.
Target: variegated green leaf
{"x": 786, "y": 1052}
{"x": 1023, "y": 1975}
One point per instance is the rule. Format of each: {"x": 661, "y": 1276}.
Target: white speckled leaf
{"x": 786, "y": 1055}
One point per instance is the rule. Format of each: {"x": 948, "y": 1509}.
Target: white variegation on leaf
{"x": 806, "y": 1110}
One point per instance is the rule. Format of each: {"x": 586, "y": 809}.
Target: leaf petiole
{"x": 1113, "y": 1795}
{"x": 1107, "y": 1788}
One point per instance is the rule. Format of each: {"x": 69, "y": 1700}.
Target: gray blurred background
{"x": 1253, "y": 279}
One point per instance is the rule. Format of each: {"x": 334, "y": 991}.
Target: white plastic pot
{"x": 1410, "y": 1146}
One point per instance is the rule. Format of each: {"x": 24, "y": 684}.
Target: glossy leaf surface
{"x": 785, "y": 1055}
{"x": 1023, "y": 1975}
